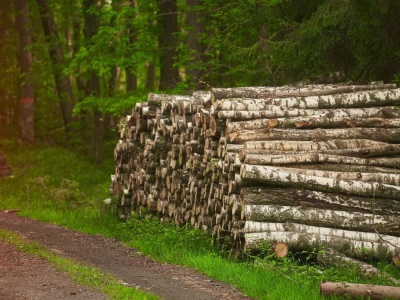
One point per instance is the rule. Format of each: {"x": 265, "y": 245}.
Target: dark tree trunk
{"x": 63, "y": 84}
{"x": 76, "y": 44}
{"x": 131, "y": 78}
{"x": 8, "y": 83}
{"x": 168, "y": 12}
{"x": 92, "y": 23}
{"x": 196, "y": 29}
{"x": 26, "y": 102}
{"x": 150, "y": 78}
{"x": 112, "y": 81}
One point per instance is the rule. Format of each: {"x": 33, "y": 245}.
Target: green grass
{"x": 81, "y": 274}
{"x": 56, "y": 185}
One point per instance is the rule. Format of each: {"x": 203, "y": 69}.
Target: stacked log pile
{"x": 311, "y": 166}
{"x": 5, "y": 170}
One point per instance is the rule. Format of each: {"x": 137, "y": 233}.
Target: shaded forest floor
{"x": 28, "y": 277}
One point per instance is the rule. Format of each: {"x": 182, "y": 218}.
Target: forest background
{"x": 70, "y": 68}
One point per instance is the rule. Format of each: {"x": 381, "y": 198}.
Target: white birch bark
{"x": 386, "y": 178}
{"x": 317, "y": 199}
{"x": 358, "y": 99}
{"x": 370, "y": 154}
{"x": 323, "y": 122}
{"x": 293, "y": 91}
{"x": 359, "y": 221}
{"x": 389, "y": 135}
{"x": 202, "y": 97}
{"x": 247, "y": 157}
{"x": 154, "y": 99}
{"x": 314, "y": 145}
{"x": 284, "y": 112}
{"x": 273, "y": 175}
{"x": 317, "y": 121}
{"x": 352, "y": 243}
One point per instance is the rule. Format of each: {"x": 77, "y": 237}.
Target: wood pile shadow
{"x": 308, "y": 166}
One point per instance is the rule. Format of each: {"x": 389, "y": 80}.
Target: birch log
{"x": 271, "y": 111}
{"x": 317, "y": 121}
{"x": 357, "y": 221}
{"x": 305, "y": 237}
{"x": 358, "y": 99}
{"x": 332, "y": 258}
{"x": 293, "y": 91}
{"x": 323, "y": 122}
{"x": 386, "y": 178}
{"x": 354, "y": 290}
{"x": 314, "y": 145}
{"x": 268, "y": 112}
{"x": 388, "y": 135}
{"x": 272, "y": 175}
{"x": 266, "y": 158}
{"x": 330, "y": 119}
{"x": 322, "y": 200}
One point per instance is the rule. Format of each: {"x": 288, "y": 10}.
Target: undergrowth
{"x": 56, "y": 185}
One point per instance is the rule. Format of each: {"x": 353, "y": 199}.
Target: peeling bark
{"x": 293, "y": 91}
{"x": 277, "y": 176}
{"x": 388, "y": 135}
{"x": 267, "y": 158}
{"x": 323, "y": 200}
{"x": 317, "y": 121}
{"x": 358, "y": 99}
{"x": 384, "y": 224}
{"x": 305, "y": 237}
{"x": 284, "y": 112}
{"x": 313, "y": 145}
{"x": 385, "y": 178}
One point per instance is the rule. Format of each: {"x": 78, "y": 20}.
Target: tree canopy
{"x": 93, "y": 59}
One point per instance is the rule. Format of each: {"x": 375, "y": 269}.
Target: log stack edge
{"x": 308, "y": 166}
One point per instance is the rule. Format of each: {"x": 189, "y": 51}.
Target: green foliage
{"x": 111, "y": 46}
{"x": 119, "y": 104}
{"x": 246, "y": 42}
{"x": 262, "y": 42}
{"x": 320, "y": 37}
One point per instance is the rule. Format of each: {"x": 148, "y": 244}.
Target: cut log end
{"x": 281, "y": 249}
{"x": 272, "y": 123}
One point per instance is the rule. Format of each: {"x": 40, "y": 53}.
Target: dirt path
{"x": 24, "y": 277}
{"x": 167, "y": 281}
